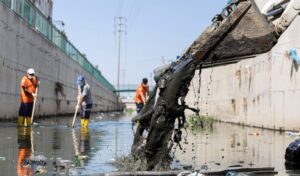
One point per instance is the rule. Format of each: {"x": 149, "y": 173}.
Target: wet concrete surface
{"x": 51, "y": 147}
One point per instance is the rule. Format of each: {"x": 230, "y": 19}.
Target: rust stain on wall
{"x": 250, "y": 79}
{"x": 238, "y": 76}
{"x": 245, "y": 105}
{"x": 233, "y": 104}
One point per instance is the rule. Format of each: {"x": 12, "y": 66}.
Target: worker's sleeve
{"x": 85, "y": 91}
{"x": 140, "y": 90}
{"x": 23, "y": 83}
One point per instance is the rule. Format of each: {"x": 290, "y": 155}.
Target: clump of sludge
{"x": 130, "y": 163}
{"x": 198, "y": 122}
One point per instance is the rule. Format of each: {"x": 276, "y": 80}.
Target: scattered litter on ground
{"x": 41, "y": 170}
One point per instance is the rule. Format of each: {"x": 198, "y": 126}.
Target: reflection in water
{"x": 84, "y": 144}
{"x": 292, "y": 166}
{"x": 82, "y": 149}
{"x": 208, "y": 149}
{"x": 24, "y": 151}
{"x": 230, "y": 145}
{"x": 56, "y": 144}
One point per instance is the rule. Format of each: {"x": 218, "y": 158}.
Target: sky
{"x": 156, "y": 32}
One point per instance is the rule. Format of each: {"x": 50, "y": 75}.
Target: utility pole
{"x": 120, "y": 27}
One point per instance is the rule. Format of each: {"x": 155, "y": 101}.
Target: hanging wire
{"x": 134, "y": 13}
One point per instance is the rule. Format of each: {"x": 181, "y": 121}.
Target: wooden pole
{"x": 74, "y": 118}
{"x": 34, "y": 103}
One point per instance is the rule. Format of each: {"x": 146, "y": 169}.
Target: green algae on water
{"x": 196, "y": 122}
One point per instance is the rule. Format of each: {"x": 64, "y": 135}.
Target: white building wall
{"x": 263, "y": 91}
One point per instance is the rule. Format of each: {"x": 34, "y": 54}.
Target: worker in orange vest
{"x": 29, "y": 84}
{"x": 141, "y": 95}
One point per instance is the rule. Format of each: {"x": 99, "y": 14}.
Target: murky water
{"x": 57, "y": 144}
{"x": 227, "y": 145}
{"x": 52, "y": 145}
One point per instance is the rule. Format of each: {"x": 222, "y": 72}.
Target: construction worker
{"x": 85, "y": 102}
{"x": 141, "y": 95}
{"x": 29, "y": 84}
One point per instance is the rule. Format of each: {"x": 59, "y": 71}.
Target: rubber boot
{"x": 81, "y": 122}
{"x": 85, "y": 123}
{"x": 20, "y": 121}
{"x": 28, "y": 120}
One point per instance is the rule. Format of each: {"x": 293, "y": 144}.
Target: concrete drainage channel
{"x": 140, "y": 173}
{"x": 228, "y": 172}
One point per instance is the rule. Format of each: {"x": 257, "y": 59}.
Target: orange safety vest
{"x": 30, "y": 85}
{"x": 139, "y": 90}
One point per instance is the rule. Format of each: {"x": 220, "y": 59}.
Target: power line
{"x": 135, "y": 12}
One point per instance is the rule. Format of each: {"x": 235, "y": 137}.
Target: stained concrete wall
{"x": 21, "y": 47}
{"x": 262, "y": 91}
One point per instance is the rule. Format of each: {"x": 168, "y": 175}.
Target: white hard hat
{"x": 30, "y": 71}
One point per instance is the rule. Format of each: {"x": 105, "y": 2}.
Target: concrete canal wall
{"x": 22, "y": 47}
{"x": 262, "y": 91}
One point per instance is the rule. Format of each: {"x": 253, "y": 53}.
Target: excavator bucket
{"x": 240, "y": 30}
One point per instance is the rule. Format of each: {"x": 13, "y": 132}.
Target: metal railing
{"x": 130, "y": 88}
{"x": 39, "y": 22}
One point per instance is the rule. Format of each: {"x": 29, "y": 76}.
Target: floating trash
{"x": 189, "y": 173}
{"x": 41, "y": 170}
{"x": 290, "y": 133}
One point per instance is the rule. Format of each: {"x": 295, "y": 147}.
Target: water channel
{"x": 54, "y": 143}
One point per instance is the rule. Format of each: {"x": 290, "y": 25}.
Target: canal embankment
{"x": 30, "y": 40}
